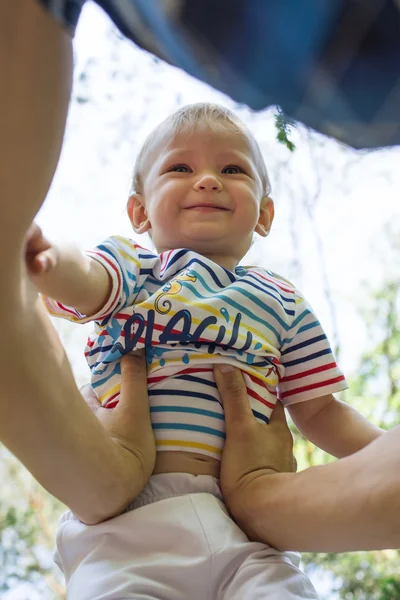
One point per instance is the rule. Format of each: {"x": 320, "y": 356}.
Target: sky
{"x": 333, "y": 204}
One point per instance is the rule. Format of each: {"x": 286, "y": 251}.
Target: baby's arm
{"x": 333, "y": 425}
{"x": 66, "y": 274}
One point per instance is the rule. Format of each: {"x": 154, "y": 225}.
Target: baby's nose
{"x": 208, "y": 183}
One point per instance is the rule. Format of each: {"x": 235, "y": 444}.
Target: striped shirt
{"x": 190, "y": 313}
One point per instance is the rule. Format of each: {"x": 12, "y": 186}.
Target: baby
{"x": 200, "y": 190}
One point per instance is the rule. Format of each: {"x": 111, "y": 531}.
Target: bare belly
{"x": 186, "y": 462}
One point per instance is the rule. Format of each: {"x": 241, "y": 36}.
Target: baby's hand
{"x": 40, "y": 254}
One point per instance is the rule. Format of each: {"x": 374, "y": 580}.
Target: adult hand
{"x": 129, "y": 424}
{"x": 251, "y": 449}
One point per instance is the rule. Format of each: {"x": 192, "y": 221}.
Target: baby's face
{"x": 203, "y": 192}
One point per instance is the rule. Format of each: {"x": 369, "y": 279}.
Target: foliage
{"x": 283, "y": 126}
{"x": 27, "y": 523}
{"x": 360, "y": 575}
{"x": 375, "y": 393}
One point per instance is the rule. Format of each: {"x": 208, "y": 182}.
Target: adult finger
{"x": 90, "y": 397}
{"x": 233, "y": 391}
{"x": 278, "y": 420}
{"x": 134, "y": 394}
{"x": 278, "y": 415}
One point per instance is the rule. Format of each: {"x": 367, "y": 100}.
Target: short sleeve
{"x": 119, "y": 257}
{"x": 309, "y": 366}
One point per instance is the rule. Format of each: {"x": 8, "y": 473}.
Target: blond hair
{"x": 188, "y": 118}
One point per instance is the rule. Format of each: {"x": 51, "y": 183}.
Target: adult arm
{"x": 44, "y": 420}
{"x": 51, "y": 430}
{"x": 35, "y": 84}
{"x": 351, "y": 504}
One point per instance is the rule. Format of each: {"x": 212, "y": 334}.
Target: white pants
{"x": 176, "y": 542}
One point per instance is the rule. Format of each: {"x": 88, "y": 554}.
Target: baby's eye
{"x": 180, "y": 169}
{"x": 232, "y": 170}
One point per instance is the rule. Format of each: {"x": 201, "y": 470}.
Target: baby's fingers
{"x": 35, "y": 240}
{"x": 42, "y": 262}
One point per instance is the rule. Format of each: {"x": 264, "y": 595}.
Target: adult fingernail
{"x": 225, "y": 368}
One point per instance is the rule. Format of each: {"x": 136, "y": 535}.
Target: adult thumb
{"x": 134, "y": 393}
{"x": 233, "y": 392}
{"x": 90, "y": 397}
{"x": 278, "y": 414}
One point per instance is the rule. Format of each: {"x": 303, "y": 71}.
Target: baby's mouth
{"x": 207, "y": 208}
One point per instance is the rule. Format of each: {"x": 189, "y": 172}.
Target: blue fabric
{"x": 332, "y": 64}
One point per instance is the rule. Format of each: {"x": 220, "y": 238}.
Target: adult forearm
{"x": 51, "y": 430}
{"x": 44, "y": 421}
{"x": 35, "y": 86}
{"x": 352, "y": 504}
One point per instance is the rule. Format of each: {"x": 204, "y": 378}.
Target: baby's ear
{"x": 138, "y": 214}
{"x": 266, "y": 216}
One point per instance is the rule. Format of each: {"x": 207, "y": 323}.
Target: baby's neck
{"x": 228, "y": 262}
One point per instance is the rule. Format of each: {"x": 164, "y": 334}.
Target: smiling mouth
{"x": 206, "y": 208}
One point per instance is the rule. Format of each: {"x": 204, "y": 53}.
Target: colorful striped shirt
{"x": 190, "y": 313}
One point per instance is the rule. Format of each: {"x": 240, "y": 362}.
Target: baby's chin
{"x": 201, "y": 244}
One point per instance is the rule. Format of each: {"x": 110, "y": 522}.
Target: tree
{"x": 28, "y": 515}
{"x": 375, "y": 393}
